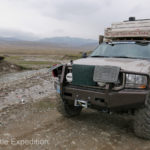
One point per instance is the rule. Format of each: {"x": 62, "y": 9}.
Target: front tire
{"x": 67, "y": 109}
{"x": 142, "y": 120}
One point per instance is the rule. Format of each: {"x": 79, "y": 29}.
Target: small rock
{"x": 105, "y": 134}
{"x": 73, "y": 142}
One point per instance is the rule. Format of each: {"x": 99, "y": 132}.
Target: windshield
{"x": 124, "y": 50}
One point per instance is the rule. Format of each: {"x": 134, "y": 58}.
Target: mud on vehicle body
{"x": 115, "y": 77}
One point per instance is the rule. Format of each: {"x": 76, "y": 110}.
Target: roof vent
{"x": 131, "y": 18}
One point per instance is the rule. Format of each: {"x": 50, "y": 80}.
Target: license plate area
{"x": 58, "y": 88}
{"x": 81, "y": 103}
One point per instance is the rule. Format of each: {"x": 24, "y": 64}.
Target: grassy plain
{"x": 38, "y": 58}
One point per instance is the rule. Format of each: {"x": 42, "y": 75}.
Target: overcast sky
{"x": 76, "y": 18}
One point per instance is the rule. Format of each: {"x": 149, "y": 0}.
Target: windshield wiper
{"x": 124, "y": 57}
{"x": 142, "y": 43}
{"x": 114, "y": 57}
{"x": 100, "y": 56}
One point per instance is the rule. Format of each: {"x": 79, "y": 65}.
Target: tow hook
{"x": 81, "y": 103}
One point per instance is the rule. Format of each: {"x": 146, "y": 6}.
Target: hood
{"x": 134, "y": 65}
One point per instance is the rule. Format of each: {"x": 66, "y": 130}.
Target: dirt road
{"x": 29, "y": 120}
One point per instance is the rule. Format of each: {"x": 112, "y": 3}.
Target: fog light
{"x": 69, "y": 77}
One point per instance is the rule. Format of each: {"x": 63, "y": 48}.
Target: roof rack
{"x": 131, "y": 30}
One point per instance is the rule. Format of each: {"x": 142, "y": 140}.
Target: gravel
{"x": 25, "y": 87}
{"x": 8, "y": 79}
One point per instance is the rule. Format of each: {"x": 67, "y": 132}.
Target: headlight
{"x": 69, "y": 77}
{"x": 136, "y": 81}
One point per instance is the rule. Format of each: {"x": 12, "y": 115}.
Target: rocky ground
{"x": 29, "y": 120}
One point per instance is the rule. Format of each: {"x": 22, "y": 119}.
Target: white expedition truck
{"x": 115, "y": 77}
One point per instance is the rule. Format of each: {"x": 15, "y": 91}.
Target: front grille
{"x": 106, "y": 74}
{"x": 83, "y": 77}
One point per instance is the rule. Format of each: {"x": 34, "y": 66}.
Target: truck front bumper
{"x": 124, "y": 99}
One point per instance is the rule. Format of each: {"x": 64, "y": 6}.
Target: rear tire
{"x": 67, "y": 110}
{"x": 142, "y": 120}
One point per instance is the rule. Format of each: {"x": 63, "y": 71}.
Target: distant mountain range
{"x": 69, "y": 41}
{"x": 54, "y": 42}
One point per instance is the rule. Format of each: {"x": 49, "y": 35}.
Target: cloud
{"x": 18, "y": 34}
{"x": 69, "y": 9}
{"x": 82, "y": 18}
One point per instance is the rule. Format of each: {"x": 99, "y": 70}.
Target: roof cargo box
{"x": 129, "y": 29}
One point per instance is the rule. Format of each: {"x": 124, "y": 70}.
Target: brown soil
{"x": 91, "y": 130}
{"x": 6, "y": 67}
{"x": 37, "y": 119}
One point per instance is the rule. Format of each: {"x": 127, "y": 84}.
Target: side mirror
{"x": 84, "y": 55}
